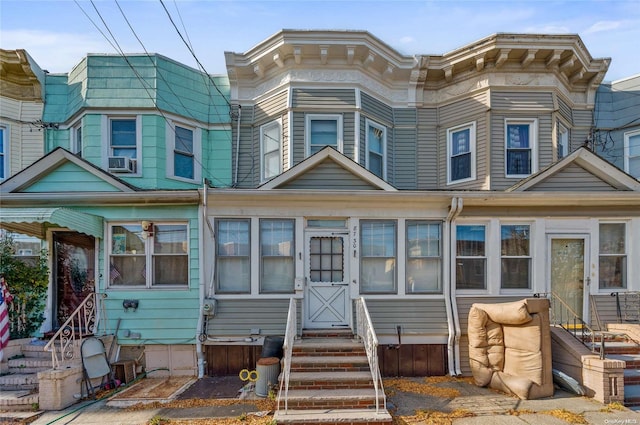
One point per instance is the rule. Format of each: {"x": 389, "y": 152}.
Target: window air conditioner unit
{"x": 122, "y": 164}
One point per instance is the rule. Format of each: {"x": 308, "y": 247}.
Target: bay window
{"x": 376, "y": 140}
{"x": 461, "y": 153}
{"x": 520, "y": 147}
{"x": 632, "y": 153}
{"x": 270, "y": 150}
{"x": 321, "y": 131}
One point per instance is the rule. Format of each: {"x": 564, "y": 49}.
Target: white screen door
{"x": 327, "y": 289}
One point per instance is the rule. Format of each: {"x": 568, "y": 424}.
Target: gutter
{"x": 453, "y": 322}
{"x": 138, "y": 198}
{"x": 200, "y": 332}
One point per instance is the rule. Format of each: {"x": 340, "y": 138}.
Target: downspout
{"x": 235, "y": 178}
{"x": 453, "y": 349}
{"x": 201, "y": 287}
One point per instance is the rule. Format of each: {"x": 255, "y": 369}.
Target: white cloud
{"x": 603, "y": 26}
{"x": 548, "y": 29}
{"x": 407, "y": 39}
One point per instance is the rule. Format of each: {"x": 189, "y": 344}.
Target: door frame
{"x": 586, "y": 287}
{"x": 344, "y": 234}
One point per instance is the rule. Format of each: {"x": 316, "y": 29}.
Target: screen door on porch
{"x": 327, "y": 293}
{"x": 567, "y": 259}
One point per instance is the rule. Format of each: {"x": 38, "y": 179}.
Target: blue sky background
{"x": 58, "y": 33}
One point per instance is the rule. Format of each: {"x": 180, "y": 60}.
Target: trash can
{"x": 272, "y": 346}
{"x": 268, "y": 369}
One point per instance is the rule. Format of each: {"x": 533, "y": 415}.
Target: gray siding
{"x": 417, "y": 317}
{"x": 465, "y": 111}
{"x": 249, "y": 158}
{"x": 565, "y": 111}
{"x": 232, "y": 318}
{"x": 499, "y": 181}
{"x": 334, "y": 98}
{"x": 376, "y": 110}
{"x": 573, "y": 178}
{"x": 298, "y": 133}
{"x": 427, "y": 149}
{"x": 329, "y": 175}
{"x": 402, "y": 158}
{"x": 522, "y": 101}
{"x": 270, "y": 109}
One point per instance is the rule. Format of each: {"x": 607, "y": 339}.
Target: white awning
{"x": 35, "y": 221}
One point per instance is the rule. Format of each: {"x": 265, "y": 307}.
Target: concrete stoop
{"x": 331, "y": 383}
{"x": 19, "y": 386}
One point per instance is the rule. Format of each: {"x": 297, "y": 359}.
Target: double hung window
{"x": 378, "y": 256}
{"x": 270, "y": 150}
{"x": 277, "y": 256}
{"x": 183, "y": 153}
{"x": 613, "y": 256}
{"x": 4, "y": 158}
{"x": 515, "y": 256}
{"x": 632, "y": 153}
{"x": 321, "y": 131}
{"x": 233, "y": 247}
{"x": 520, "y": 147}
{"x": 152, "y": 256}
{"x": 471, "y": 260}
{"x": 461, "y": 149}
{"x": 424, "y": 257}
{"x": 376, "y": 142}
{"x": 123, "y": 139}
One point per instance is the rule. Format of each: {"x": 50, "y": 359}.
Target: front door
{"x": 327, "y": 290}
{"x": 569, "y": 276}
{"x": 73, "y": 272}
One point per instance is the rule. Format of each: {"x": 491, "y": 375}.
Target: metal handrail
{"x": 287, "y": 348}
{"x": 573, "y": 322}
{"x": 367, "y": 334}
{"x": 83, "y": 320}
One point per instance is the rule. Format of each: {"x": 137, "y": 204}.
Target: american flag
{"x": 5, "y": 298}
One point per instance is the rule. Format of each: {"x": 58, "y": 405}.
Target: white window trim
{"x": 106, "y": 141}
{"x": 472, "y": 148}
{"x": 533, "y": 136}
{"x": 277, "y": 123}
{"x": 75, "y": 145}
{"x": 148, "y": 258}
{"x": 6, "y": 134}
{"x": 370, "y": 123}
{"x": 530, "y": 257}
{"x": 170, "y": 130}
{"x": 627, "y": 149}
{"x": 563, "y": 139}
{"x": 307, "y": 130}
{"x": 628, "y": 247}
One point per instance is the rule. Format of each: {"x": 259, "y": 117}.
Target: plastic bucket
{"x": 272, "y": 346}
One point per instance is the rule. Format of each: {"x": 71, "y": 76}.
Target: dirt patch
{"x": 154, "y": 388}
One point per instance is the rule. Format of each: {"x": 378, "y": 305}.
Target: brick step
{"x": 18, "y": 400}
{"x": 339, "y": 416}
{"x": 632, "y": 361}
{"x": 327, "y": 333}
{"x": 329, "y": 381}
{"x": 19, "y": 381}
{"x": 329, "y": 364}
{"x": 353, "y": 398}
{"x": 327, "y": 347}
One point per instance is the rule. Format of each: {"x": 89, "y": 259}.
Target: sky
{"x": 59, "y": 33}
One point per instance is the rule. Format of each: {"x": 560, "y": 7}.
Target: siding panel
{"x": 231, "y": 318}
{"x": 573, "y": 178}
{"x": 323, "y": 98}
{"x": 522, "y": 101}
{"x": 427, "y": 149}
{"x": 329, "y": 175}
{"x": 417, "y": 317}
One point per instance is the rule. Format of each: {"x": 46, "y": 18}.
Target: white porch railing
{"x": 83, "y": 321}
{"x": 367, "y": 334}
{"x": 287, "y": 348}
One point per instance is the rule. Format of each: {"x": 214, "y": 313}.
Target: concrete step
{"x": 18, "y": 400}
{"x": 29, "y": 365}
{"x": 19, "y": 381}
{"x": 33, "y": 350}
{"x": 329, "y": 364}
{"x": 324, "y": 381}
{"x": 338, "y": 416}
{"x": 352, "y": 398}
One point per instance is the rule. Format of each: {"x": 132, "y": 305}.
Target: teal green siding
{"x": 70, "y": 178}
{"x": 164, "y": 316}
{"x": 217, "y": 149}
